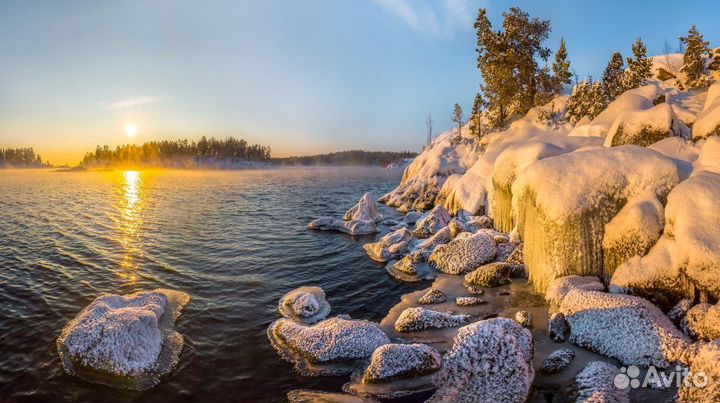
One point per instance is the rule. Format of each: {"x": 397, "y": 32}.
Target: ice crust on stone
{"x": 706, "y": 361}
{"x": 596, "y": 384}
{"x": 558, "y": 327}
{"x": 394, "y": 361}
{"x": 365, "y": 209}
{"x": 129, "y": 336}
{"x": 464, "y": 254}
{"x": 418, "y": 319}
{"x": 523, "y": 318}
{"x": 354, "y": 227}
{"x": 304, "y": 304}
{"x": 559, "y": 287}
{"x": 490, "y": 361}
{"x": 702, "y": 322}
{"x": 468, "y": 301}
{"x": 624, "y": 327}
{"x": 432, "y": 222}
{"x": 390, "y": 246}
{"x": 433, "y": 296}
{"x": 489, "y": 275}
{"x": 558, "y": 360}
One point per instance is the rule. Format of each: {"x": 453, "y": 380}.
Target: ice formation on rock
{"x": 523, "y": 318}
{"x": 490, "y": 361}
{"x": 708, "y": 122}
{"x": 596, "y": 384}
{"x": 433, "y": 296}
{"x": 464, "y": 254}
{"x": 390, "y": 246}
{"x": 129, "y": 338}
{"x": 354, "y": 227}
{"x": 468, "y": 301}
{"x": 559, "y": 287}
{"x": 418, "y": 318}
{"x": 313, "y": 396}
{"x": 558, "y": 327}
{"x": 562, "y": 204}
{"x": 393, "y": 361}
{"x": 305, "y": 304}
{"x": 431, "y": 222}
{"x": 558, "y": 360}
{"x": 504, "y": 250}
{"x": 705, "y": 370}
{"x": 475, "y": 223}
{"x": 702, "y": 322}
{"x": 624, "y": 327}
{"x": 365, "y": 209}
{"x": 679, "y": 311}
{"x": 412, "y": 217}
{"x": 645, "y": 127}
{"x": 489, "y": 275}
{"x": 334, "y": 339}
{"x": 427, "y": 246}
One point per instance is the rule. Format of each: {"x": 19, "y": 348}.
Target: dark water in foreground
{"x": 235, "y": 241}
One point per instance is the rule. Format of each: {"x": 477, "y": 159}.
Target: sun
{"x": 130, "y": 130}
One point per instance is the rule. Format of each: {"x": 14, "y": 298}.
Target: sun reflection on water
{"x": 130, "y": 223}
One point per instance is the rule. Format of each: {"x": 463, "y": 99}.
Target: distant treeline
{"x": 348, "y": 158}
{"x": 212, "y": 153}
{"x": 21, "y": 158}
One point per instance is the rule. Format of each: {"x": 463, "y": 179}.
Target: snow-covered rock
{"x": 432, "y": 222}
{"x": 558, "y": 360}
{"x": 645, "y": 127}
{"x": 433, "y": 296}
{"x": 128, "y": 336}
{"x": 333, "y": 339}
{"x": 702, "y": 385}
{"x": 418, "y": 318}
{"x": 562, "y": 204}
{"x": 427, "y": 246}
{"x": 354, "y": 227}
{"x": 412, "y": 217}
{"x": 390, "y": 246}
{"x": 475, "y": 223}
{"x": 315, "y": 396}
{"x": 393, "y": 361}
{"x": 558, "y": 327}
{"x": 523, "y": 318}
{"x": 596, "y": 384}
{"x": 490, "y": 361}
{"x": 558, "y": 288}
{"x": 624, "y": 327}
{"x": 504, "y": 250}
{"x": 464, "y": 254}
{"x": 304, "y": 304}
{"x": 702, "y": 322}
{"x": 708, "y": 121}
{"x": 365, "y": 209}
{"x": 679, "y": 311}
{"x": 489, "y": 275}
{"x": 468, "y": 301}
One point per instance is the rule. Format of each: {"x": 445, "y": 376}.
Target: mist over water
{"x": 236, "y": 241}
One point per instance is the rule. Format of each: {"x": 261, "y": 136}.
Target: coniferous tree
{"x": 694, "y": 59}
{"x": 587, "y": 100}
{"x": 429, "y": 126}
{"x": 715, "y": 64}
{"x": 457, "y": 118}
{"x": 476, "y": 128}
{"x": 561, "y": 66}
{"x": 612, "y": 81}
{"x": 639, "y": 68}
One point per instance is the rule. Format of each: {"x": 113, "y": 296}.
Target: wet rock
{"x": 396, "y": 361}
{"x": 412, "y": 217}
{"x": 463, "y": 254}
{"x": 305, "y": 304}
{"x": 432, "y": 222}
{"x": 558, "y": 327}
{"x": 314, "y": 396}
{"x": 434, "y": 296}
{"x": 330, "y": 340}
{"x": 469, "y": 301}
{"x": 523, "y": 318}
{"x": 390, "y": 222}
{"x": 407, "y": 263}
{"x": 130, "y": 337}
{"x": 390, "y": 246}
{"x": 490, "y": 275}
{"x": 702, "y": 322}
{"x": 596, "y": 384}
{"x": 490, "y": 361}
{"x": 678, "y": 312}
{"x": 354, "y": 227}
{"x": 558, "y": 360}
{"x": 366, "y": 209}
{"x": 418, "y": 318}
{"x": 559, "y": 287}
{"x": 703, "y": 389}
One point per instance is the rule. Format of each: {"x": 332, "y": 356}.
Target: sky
{"x": 303, "y": 77}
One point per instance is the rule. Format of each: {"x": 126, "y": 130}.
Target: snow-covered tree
{"x": 429, "y": 125}
{"x": 612, "y": 80}
{"x": 561, "y": 66}
{"x": 715, "y": 64}
{"x": 639, "y": 68}
{"x": 476, "y": 126}
{"x": 587, "y": 99}
{"x": 457, "y": 118}
{"x": 694, "y": 59}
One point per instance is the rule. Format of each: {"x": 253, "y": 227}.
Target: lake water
{"x": 236, "y": 241}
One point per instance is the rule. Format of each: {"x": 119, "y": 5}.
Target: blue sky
{"x": 301, "y": 76}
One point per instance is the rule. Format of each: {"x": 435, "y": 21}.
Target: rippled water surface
{"x": 235, "y": 241}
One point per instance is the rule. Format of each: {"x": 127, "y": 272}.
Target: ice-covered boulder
{"x": 304, "y": 304}
{"x": 433, "y": 296}
{"x": 490, "y": 361}
{"x": 679, "y": 311}
{"x": 596, "y": 384}
{"x": 624, "y": 327}
{"x": 702, "y": 322}
{"x": 702, "y": 384}
{"x": 129, "y": 338}
{"x": 333, "y": 339}
{"x": 432, "y": 222}
{"x": 418, "y": 318}
{"x": 354, "y": 227}
{"x": 708, "y": 121}
{"x": 558, "y": 288}
{"x": 468, "y": 301}
{"x": 523, "y": 318}
{"x": 645, "y": 127}
{"x": 685, "y": 261}
{"x": 412, "y": 217}
{"x": 489, "y": 275}
{"x": 504, "y": 250}
{"x": 390, "y": 246}
{"x": 558, "y": 327}
{"x": 365, "y": 209}
{"x": 394, "y": 361}
{"x": 427, "y": 246}
{"x": 464, "y": 254}
{"x": 475, "y": 223}
{"x": 558, "y": 360}
{"x": 562, "y": 204}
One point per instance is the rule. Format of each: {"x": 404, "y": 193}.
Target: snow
{"x": 702, "y": 322}
{"x": 682, "y": 151}
{"x": 432, "y": 222}
{"x": 707, "y": 362}
{"x": 560, "y": 287}
{"x": 645, "y": 127}
{"x": 468, "y": 301}
{"x": 365, "y": 209}
{"x": 708, "y": 121}
{"x": 390, "y": 246}
{"x": 441, "y": 237}
{"x": 490, "y": 361}
{"x": 558, "y": 360}
{"x": 433, "y": 296}
{"x": 562, "y": 204}
{"x": 464, "y": 254}
{"x": 708, "y": 156}
{"x": 354, "y": 227}
{"x": 304, "y": 304}
{"x": 393, "y": 361}
{"x": 624, "y": 327}
{"x": 418, "y": 318}
{"x": 330, "y": 340}
{"x": 596, "y": 384}
{"x": 124, "y": 335}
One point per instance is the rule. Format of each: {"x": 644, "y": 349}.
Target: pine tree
{"x": 612, "y": 81}
{"x": 694, "y": 59}
{"x": 596, "y": 100}
{"x": 476, "y": 128}
{"x": 588, "y": 99}
{"x": 457, "y": 118}
{"x": 639, "y": 68}
{"x": 561, "y": 67}
{"x": 429, "y": 125}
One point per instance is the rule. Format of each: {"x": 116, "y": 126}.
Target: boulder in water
{"x": 366, "y": 209}
{"x": 418, "y": 319}
{"x": 395, "y": 361}
{"x": 432, "y": 222}
{"x": 558, "y": 327}
{"x": 464, "y": 254}
{"x": 354, "y": 227}
{"x": 523, "y": 318}
{"x": 469, "y": 301}
{"x": 558, "y": 360}
{"x": 489, "y": 275}
{"x": 433, "y": 296}
{"x": 596, "y": 384}
{"x": 305, "y": 304}
{"x": 390, "y": 246}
